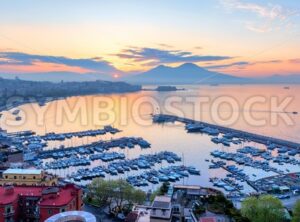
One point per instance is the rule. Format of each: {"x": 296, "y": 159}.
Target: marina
{"x": 270, "y": 153}
{"x": 212, "y": 129}
{"x": 229, "y": 160}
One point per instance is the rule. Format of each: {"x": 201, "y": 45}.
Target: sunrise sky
{"x": 239, "y": 37}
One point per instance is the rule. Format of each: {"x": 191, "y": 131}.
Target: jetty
{"x": 107, "y": 144}
{"x": 267, "y": 140}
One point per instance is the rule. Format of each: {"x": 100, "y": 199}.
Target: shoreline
{"x": 6, "y": 108}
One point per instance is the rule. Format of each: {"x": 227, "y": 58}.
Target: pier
{"x": 160, "y": 118}
{"x": 249, "y": 182}
{"x": 107, "y": 144}
{"x": 21, "y": 133}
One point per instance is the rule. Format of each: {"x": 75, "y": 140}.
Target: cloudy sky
{"x": 239, "y": 37}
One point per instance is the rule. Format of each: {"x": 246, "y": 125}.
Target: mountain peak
{"x": 185, "y": 73}
{"x": 162, "y": 67}
{"x": 188, "y": 65}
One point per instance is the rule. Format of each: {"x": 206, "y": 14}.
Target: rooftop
{"x": 161, "y": 207}
{"x": 7, "y": 197}
{"x": 143, "y": 213}
{"x": 22, "y": 171}
{"x": 73, "y": 216}
{"x": 162, "y": 202}
{"x": 63, "y": 196}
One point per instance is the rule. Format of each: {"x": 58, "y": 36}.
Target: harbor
{"x": 240, "y": 151}
{"x": 188, "y": 153}
{"x": 198, "y": 126}
{"x": 103, "y": 158}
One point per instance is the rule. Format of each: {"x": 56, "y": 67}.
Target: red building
{"x": 37, "y": 203}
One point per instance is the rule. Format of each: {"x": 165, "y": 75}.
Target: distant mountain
{"x": 184, "y": 74}
{"x": 187, "y": 73}
{"x": 57, "y": 76}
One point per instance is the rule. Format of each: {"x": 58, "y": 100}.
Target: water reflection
{"x": 131, "y": 114}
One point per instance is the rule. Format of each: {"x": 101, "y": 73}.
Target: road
{"x": 290, "y": 202}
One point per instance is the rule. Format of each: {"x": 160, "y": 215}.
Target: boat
{"x": 216, "y": 140}
{"x": 211, "y": 131}
{"x": 193, "y": 171}
{"x": 292, "y": 152}
{"x": 16, "y": 112}
{"x": 153, "y": 180}
{"x": 271, "y": 146}
{"x": 228, "y": 135}
{"x": 194, "y": 127}
{"x": 213, "y": 166}
{"x": 18, "y": 118}
{"x": 282, "y": 150}
{"x": 225, "y": 142}
{"x": 143, "y": 143}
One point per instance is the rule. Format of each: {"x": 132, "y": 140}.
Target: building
{"x": 211, "y": 217}
{"x": 30, "y": 177}
{"x": 159, "y": 211}
{"x": 176, "y": 205}
{"x": 37, "y": 203}
{"x": 72, "y": 216}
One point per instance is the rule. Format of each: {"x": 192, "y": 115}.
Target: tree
{"x": 164, "y": 188}
{"x": 263, "y": 209}
{"x": 296, "y": 212}
{"x": 114, "y": 193}
{"x": 100, "y": 191}
{"x": 138, "y": 196}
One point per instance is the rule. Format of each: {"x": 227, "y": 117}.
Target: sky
{"x": 123, "y": 37}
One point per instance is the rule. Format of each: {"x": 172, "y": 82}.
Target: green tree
{"x": 99, "y": 191}
{"x": 296, "y": 212}
{"x": 114, "y": 193}
{"x": 138, "y": 196}
{"x": 263, "y": 209}
{"x": 164, "y": 188}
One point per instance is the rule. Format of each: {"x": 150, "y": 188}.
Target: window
{"x": 49, "y": 211}
{"x": 8, "y": 210}
{"x": 34, "y": 177}
{"x": 62, "y": 210}
{"x": 15, "y": 177}
{"x": 6, "y": 177}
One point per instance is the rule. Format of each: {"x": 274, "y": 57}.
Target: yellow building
{"x": 27, "y": 177}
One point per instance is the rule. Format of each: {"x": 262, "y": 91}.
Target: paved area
{"x": 99, "y": 213}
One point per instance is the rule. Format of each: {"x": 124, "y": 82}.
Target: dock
{"x": 249, "y": 182}
{"x": 106, "y": 144}
{"x": 21, "y": 133}
{"x": 161, "y": 118}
